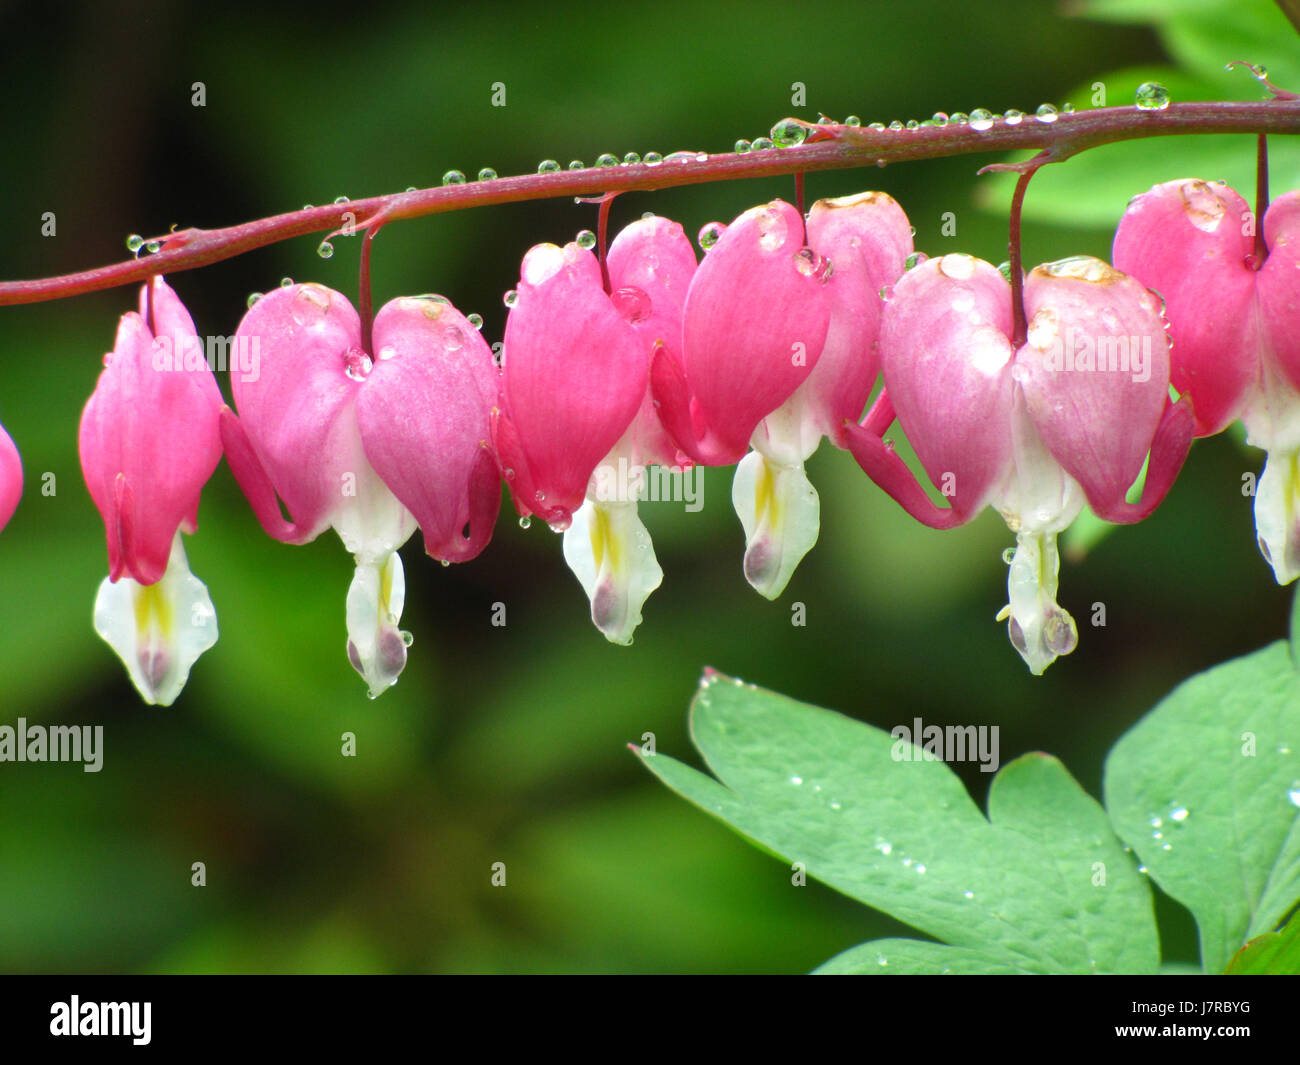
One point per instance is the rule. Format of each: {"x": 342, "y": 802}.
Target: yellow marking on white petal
{"x": 603, "y": 540}
{"x": 153, "y": 613}
{"x": 766, "y": 500}
{"x": 385, "y": 590}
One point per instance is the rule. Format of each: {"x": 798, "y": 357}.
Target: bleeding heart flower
{"x": 866, "y": 239}
{"x": 573, "y": 376}
{"x": 650, "y": 264}
{"x": 1234, "y": 322}
{"x": 754, "y": 326}
{"x": 1035, "y": 430}
{"x": 149, "y": 442}
{"x": 11, "y": 477}
{"x": 367, "y": 444}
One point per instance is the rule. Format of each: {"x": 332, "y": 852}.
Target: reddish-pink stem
{"x": 1261, "y": 199}
{"x": 826, "y": 148}
{"x": 366, "y": 307}
{"x": 602, "y": 232}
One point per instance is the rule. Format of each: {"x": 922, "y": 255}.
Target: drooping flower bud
{"x": 367, "y": 444}
{"x": 1034, "y": 431}
{"x": 865, "y": 241}
{"x": 1234, "y": 323}
{"x": 149, "y": 442}
{"x": 11, "y": 478}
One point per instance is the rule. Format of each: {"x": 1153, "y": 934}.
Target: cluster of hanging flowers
{"x": 647, "y": 357}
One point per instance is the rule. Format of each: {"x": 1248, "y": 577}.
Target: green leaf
{"x": 1040, "y": 886}
{"x": 1206, "y": 789}
{"x": 1272, "y": 954}
{"x": 912, "y": 957}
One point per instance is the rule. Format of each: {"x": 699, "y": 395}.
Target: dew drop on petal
{"x": 632, "y": 303}
{"x": 510, "y": 298}
{"x": 325, "y": 249}
{"x": 253, "y": 297}
{"x": 586, "y": 240}
{"x": 957, "y": 266}
{"x": 356, "y": 364}
{"x": 852, "y": 120}
{"x": 709, "y": 235}
{"x": 476, "y": 320}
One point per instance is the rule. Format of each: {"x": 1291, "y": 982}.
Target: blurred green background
{"x": 507, "y": 744}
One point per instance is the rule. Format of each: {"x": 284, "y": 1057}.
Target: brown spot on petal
{"x": 857, "y": 200}
{"x": 1082, "y": 268}
{"x": 1204, "y": 208}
